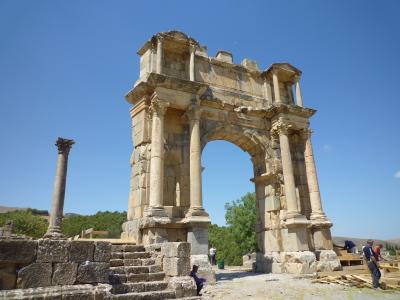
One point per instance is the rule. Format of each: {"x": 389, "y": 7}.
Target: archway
{"x": 185, "y": 99}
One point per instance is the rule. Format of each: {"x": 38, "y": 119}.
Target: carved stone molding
{"x": 158, "y": 106}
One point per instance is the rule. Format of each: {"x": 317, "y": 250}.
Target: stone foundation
{"x": 41, "y": 263}
{"x": 300, "y": 262}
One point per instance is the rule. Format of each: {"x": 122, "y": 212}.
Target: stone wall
{"x": 42, "y": 263}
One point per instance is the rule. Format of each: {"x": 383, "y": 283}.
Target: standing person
{"x": 377, "y": 251}
{"x": 199, "y": 281}
{"x": 213, "y": 254}
{"x": 350, "y": 247}
{"x": 373, "y": 267}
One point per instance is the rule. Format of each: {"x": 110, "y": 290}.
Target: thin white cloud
{"x": 397, "y": 175}
{"x": 327, "y": 147}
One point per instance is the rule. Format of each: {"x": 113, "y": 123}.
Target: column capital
{"x": 305, "y": 133}
{"x": 64, "y": 145}
{"x": 296, "y": 78}
{"x": 193, "y": 111}
{"x": 192, "y": 48}
{"x": 281, "y": 129}
{"x": 158, "y": 106}
{"x": 274, "y": 71}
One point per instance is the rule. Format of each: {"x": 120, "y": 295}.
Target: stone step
{"x": 130, "y": 255}
{"x": 152, "y": 295}
{"x": 139, "y": 287}
{"x": 118, "y": 262}
{"x": 136, "y": 269}
{"x": 146, "y": 277}
{"x": 127, "y": 248}
{"x": 136, "y": 255}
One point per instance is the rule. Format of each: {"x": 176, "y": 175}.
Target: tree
{"x": 24, "y": 222}
{"x": 238, "y": 238}
{"x": 111, "y": 221}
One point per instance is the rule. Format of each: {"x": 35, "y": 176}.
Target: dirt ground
{"x": 237, "y": 284}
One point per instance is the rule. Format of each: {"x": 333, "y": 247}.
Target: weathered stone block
{"x": 183, "y": 286}
{"x": 34, "y": 275}
{"x": 176, "y": 266}
{"x": 15, "y": 251}
{"x": 102, "y": 252}
{"x": 93, "y": 272}
{"x": 64, "y": 273}
{"x": 198, "y": 238}
{"x": 81, "y": 251}
{"x": 53, "y": 251}
{"x": 8, "y": 276}
{"x": 178, "y": 249}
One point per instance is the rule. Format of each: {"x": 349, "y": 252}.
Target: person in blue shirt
{"x": 199, "y": 281}
{"x": 350, "y": 247}
{"x": 372, "y": 263}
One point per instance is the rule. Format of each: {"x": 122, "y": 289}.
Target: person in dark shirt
{"x": 350, "y": 247}
{"x": 373, "y": 267}
{"x": 199, "y": 281}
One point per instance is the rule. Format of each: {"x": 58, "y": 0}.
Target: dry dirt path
{"x": 234, "y": 285}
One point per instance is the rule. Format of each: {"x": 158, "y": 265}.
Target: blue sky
{"x": 65, "y": 67}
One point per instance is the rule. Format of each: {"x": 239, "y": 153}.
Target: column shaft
{"x": 157, "y": 160}
{"x": 276, "y": 87}
{"x": 288, "y": 176}
{"x": 195, "y": 165}
{"x": 312, "y": 181}
{"x": 191, "y": 63}
{"x": 298, "y": 93}
{"x": 159, "y": 56}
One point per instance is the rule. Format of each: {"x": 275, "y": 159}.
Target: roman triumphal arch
{"x": 184, "y": 99}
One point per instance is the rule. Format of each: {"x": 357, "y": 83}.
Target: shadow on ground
{"x": 232, "y": 275}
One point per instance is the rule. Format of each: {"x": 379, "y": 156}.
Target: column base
{"x": 196, "y": 212}
{"x": 154, "y": 212}
{"x": 54, "y": 234}
{"x": 318, "y": 217}
{"x": 296, "y": 220}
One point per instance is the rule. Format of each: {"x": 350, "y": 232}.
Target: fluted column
{"x": 288, "y": 174}
{"x": 267, "y": 92}
{"x": 276, "y": 86}
{"x": 192, "y": 49}
{"x": 159, "y": 61}
{"x": 156, "y": 207}
{"x": 299, "y": 99}
{"x": 196, "y": 200}
{"x": 54, "y": 229}
{"x": 312, "y": 179}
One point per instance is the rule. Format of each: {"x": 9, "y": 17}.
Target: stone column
{"x": 159, "y": 62}
{"x": 312, "y": 180}
{"x": 288, "y": 175}
{"x": 57, "y": 207}
{"x": 267, "y": 92}
{"x": 276, "y": 86}
{"x": 192, "y": 49}
{"x": 196, "y": 201}
{"x": 299, "y": 100}
{"x": 290, "y": 93}
{"x": 156, "y": 207}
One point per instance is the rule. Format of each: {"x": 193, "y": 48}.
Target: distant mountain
{"x": 339, "y": 241}
{"x": 4, "y": 209}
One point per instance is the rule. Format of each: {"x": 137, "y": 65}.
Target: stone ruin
{"x": 183, "y": 100}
